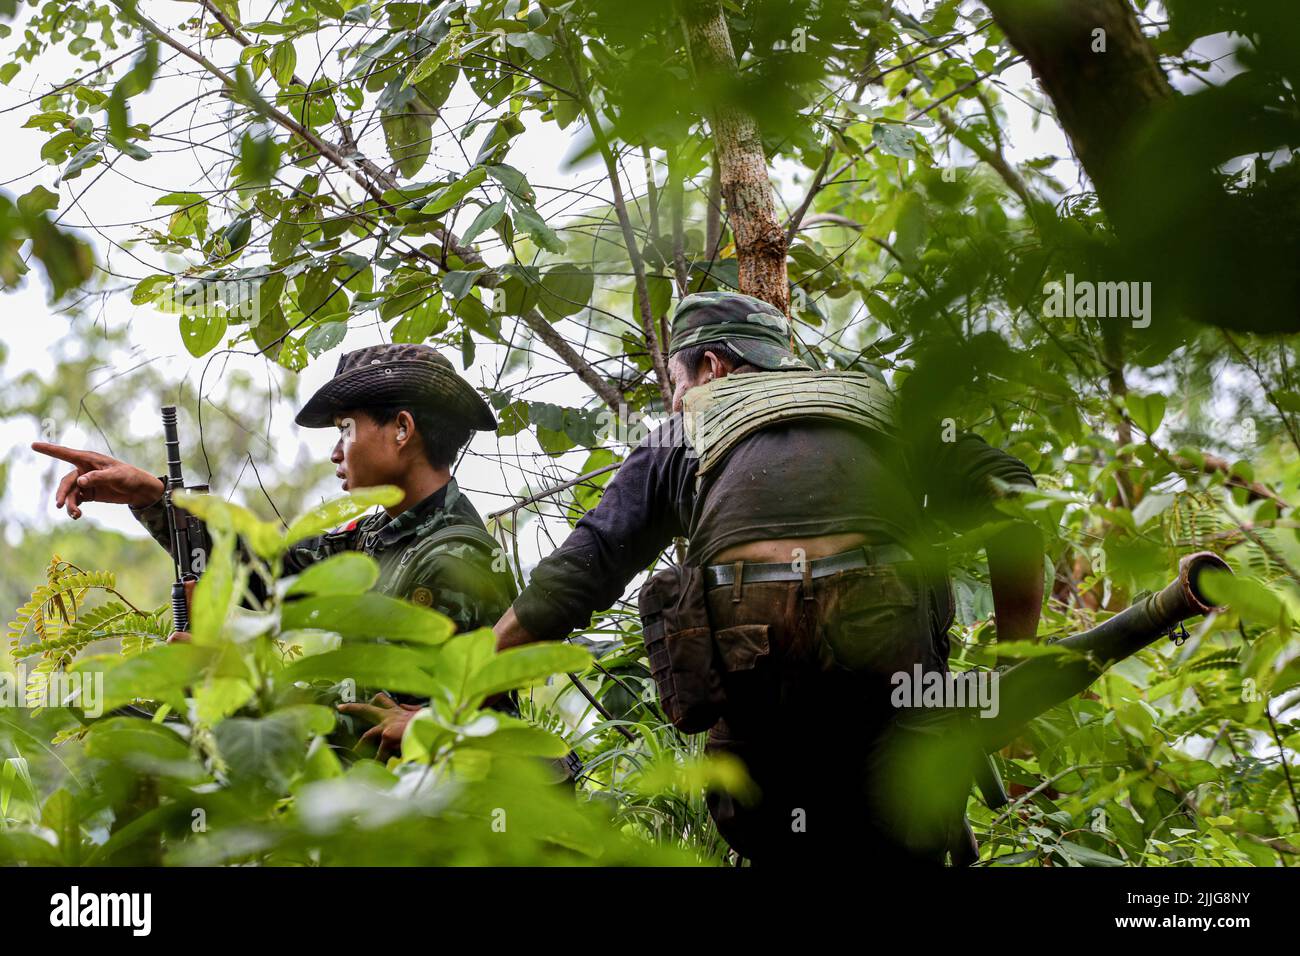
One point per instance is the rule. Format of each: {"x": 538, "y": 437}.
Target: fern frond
{"x": 33, "y": 616}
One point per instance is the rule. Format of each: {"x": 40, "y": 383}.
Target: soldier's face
{"x": 366, "y": 453}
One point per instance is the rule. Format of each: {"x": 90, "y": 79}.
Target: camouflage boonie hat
{"x": 753, "y": 329}
{"x": 396, "y": 374}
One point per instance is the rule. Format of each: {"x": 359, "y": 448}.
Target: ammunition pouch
{"x": 679, "y": 644}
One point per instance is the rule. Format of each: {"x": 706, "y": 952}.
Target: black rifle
{"x": 188, "y": 537}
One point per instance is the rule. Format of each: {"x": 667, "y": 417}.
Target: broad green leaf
{"x": 325, "y": 336}
{"x": 519, "y": 739}
{"x": 149, "y": 288}
{"x": 513, "y": 182}
{"x": 460, "y": 658}
{"x": 22, "y": 847}
{"x": 179, "y": 199}
{"x": 220, "y": 697}
{"x": 368, "y": 616}
{"x": 524, "y": 666}
{"x": 370, "y": 667}
{"x": 1147, "y": 411}
{"x": 62, "y": 815}
{"x": 331, "y": 514}
{"x": 894, "y": 140}
{"x": 161, "y": 674}
{"x": 455, "y": 192}
{"x": 38, "y": 200}
{"x": 457, "y": 284}
{"x": 1151, "y": 506}
{"x": 321, "y": 763}
{"x": 202, "y": 333}
{"x": 215, "y": 592}
{"x": 1249, "y": 597}
{"x": 263, "y": 752}
{"x": 348, "y": 573}
{"x": 427, "y": 66}
{"x": 144, "y": 746}
{"x": 85, "y": 156}
{"x": 1079, "y": 855}
{"x": 284, "y": 59}
{"x": 487, "y": 217}
{"x": 530, "y": 221}
{"x": 15, "y": 783}
{"x": 566, "y": 290}
{"x": 539, "y": 47}
{"x": 409, "y": 135}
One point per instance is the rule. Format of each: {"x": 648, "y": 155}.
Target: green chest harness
{"x": 717, "y": 416}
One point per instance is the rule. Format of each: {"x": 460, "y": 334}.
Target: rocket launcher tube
{"x": 1038, "y": 684}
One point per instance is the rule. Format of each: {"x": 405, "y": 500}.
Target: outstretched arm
{"x": 645, "y": 505}
{"x": 1016, "y": 574}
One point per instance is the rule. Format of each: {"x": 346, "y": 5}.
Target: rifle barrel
{"x": 175, "y": 478}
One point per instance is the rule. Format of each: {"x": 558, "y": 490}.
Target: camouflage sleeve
{"x": 310, "y": 550}
{"x": 647, "y": 502}
{"x": 458, "y": 579}
{"x": 154, "y": 519}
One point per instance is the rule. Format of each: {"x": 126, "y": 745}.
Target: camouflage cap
{"x": 753, "y": 329}
{"x": 394, "y": 374}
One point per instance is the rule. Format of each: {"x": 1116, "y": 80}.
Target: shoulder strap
{"x": 463, "y": 533}
{"x": 458, "y": 534}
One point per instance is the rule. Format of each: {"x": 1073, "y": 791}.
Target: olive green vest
{"x": 718, "y": 415}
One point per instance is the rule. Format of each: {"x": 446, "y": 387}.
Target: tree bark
{"x": 742, "y": 165}
{"x": 1100, "y": 97}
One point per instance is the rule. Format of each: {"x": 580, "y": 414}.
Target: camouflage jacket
{"x": 437, "y": 554}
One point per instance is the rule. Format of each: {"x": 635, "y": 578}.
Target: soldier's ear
{"x": 405, "y": 425}
{"x": 717, "y": 367}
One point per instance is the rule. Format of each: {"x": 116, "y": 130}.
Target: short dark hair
{"x": 693, "y": 355}
{"x": 441, "y": 436}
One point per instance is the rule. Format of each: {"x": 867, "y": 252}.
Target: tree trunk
{"x": 1100, "y": 97}
{"x": 742, "y": 166}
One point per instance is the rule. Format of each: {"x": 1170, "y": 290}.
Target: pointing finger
{"x": 73, "y": 456}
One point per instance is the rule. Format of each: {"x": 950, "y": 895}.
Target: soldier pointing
{"x": 403, "y": 415}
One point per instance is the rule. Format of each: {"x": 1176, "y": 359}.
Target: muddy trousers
{"x": 809, "y": 667}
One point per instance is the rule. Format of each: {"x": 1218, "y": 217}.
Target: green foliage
{"x": 229, "y": 749}
{"x": 924, "y": 256}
